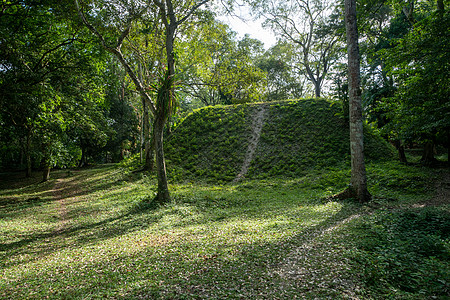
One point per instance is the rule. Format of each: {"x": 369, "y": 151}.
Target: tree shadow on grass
{"x": 17, "y": 180}
{"x": 246, "y": 271}
{"x": 207, "y": 271}
{"x": 83, "y": 234}
{"x": 141, "y": 215}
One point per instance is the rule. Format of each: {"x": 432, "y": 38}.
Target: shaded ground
{"x": 91, "y": 235}
{"x": 442, "y": 187}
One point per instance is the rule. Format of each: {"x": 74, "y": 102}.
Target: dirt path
{"x": 442, "y": 187}
{"x": 316, "y": 266}
{"x": 60, "y": 198}
{"x": 257, "y": 124}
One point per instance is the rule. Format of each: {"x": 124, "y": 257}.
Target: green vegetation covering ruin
{"x": 296, "y": 136}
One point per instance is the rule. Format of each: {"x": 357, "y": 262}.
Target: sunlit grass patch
{"x": 99, "y": 236}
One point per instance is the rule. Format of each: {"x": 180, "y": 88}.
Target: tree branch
{"x": 191, "y": 11}
{"x": 119, "y": 55}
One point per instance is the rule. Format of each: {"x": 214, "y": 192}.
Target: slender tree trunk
{"x": 148, "y": 147}
{"x": 358, "y": 184}
{"x": 317, "y": 89}
{"x": 142, "y": 142}
{"x": 401, "y": 151}
{"x": 81, "y": 163}
{"x": 312, "y": 78}
{"x": 22, "y": 152}
{"x": 163, "y": 195}
{"x": 163, "y": 189}
{"x": 83, "y": 160}
{"x": 45, "y": 163}
{"x": 428, "y": 153}
{"x": 45, "y": 171}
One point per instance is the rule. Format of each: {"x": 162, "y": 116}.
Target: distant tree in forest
{"x": 42, "y": 58}
{"x": 283, "y": 81}
{"x": 420, "y": 64}
{"x": 216, "y": 68}
{"x": 309, "y": 25}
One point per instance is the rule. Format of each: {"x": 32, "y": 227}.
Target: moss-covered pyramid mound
{"x": 266, "y": 139}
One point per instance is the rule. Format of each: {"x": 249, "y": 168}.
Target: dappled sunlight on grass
{"x": 100, "y": 237}
{"x": 105, "y": 235}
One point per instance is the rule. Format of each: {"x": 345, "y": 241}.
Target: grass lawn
{"x": 92, "y": 234}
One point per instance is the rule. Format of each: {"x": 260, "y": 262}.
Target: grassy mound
{"x": 296, "y": 136}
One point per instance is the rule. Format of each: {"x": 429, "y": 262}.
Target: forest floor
{"x": 91, "y": 233}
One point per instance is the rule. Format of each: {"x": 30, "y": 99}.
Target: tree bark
{"x": 428, "y": 153}
{"x": 45, "y": 163}
{"x": 148, "y": 147}
{"x": 149, "y": 153}
{"x": 401, "y": 151}
{"x": 83, "y": 159}
{"x": 45, "y": 172}
{"x": 171, "y": 23}
{"x": 163, "y": 195}
{"x": 358, "y": 184}
{"x": 317, "y": 89}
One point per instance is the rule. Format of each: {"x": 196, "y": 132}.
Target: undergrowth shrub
{"x": 405, "y": 253}
{"x": 391, "y": 178}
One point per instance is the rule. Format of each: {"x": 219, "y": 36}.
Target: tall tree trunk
{"x": 148, "y": 147}
{"x": 163, "y": 195}
{"x": 428, "y": 153}
{"x": 401, "y": 151}
{"x": 317, "y": 89}
{"x": 358, "y": 184}
{"x": 163, "y": 189}
{"x": 45, "y": 163}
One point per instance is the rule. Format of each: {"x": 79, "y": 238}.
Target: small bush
{"x": 405, "y": 253}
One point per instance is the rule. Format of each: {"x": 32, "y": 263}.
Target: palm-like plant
{"x": 166, "y": 100}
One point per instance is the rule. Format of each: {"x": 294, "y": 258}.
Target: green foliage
{"x": 393, "y": 179}
{"x": 407, "y": 83}
{"x": 296, "y": 136}
{"x": 217, "y": 68}
{"x": 164, "y": 90}
{"x": 422, "y": 99}
{"x": 50, "y": 83}
{"x": 282, "y": 78}
{"x": 405, "y": 253}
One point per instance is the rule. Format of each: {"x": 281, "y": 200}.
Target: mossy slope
{"x": 297, "y": 135}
